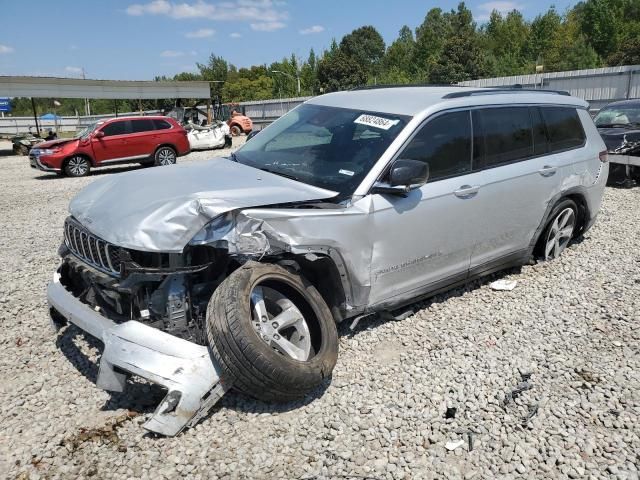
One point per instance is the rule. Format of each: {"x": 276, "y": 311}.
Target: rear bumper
{"x": 184, "y": 368}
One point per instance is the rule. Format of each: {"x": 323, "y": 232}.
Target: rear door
{"x": 143, "y": 139}
{"x": 519, "y": 177}
{"x": 114, "y": 145}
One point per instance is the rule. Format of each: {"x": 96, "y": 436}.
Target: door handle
{"x": 466, "y": 191}
{"x": 548, "y": 170}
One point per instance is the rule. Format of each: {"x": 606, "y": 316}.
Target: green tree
{"x": 366, "y": 46}
{"x": 215, "y": 70}
{"x": 309, "y": 75}
{"x": 430, "y": 38}
{"x": 340, "y": 72}
{"x": 399, "y": 57}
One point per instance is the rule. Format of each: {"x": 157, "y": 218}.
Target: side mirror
{"x": 405, "y": 175}
{"x": 99, "y": 134}
{"x": 408, "y": 173}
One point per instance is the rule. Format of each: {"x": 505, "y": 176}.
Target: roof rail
{"x": 494, "y": 90}
{"x": 403, "y": 85}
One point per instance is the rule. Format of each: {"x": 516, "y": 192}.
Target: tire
{"x": 236, "y": 131}
{"x": 252, "y": 353}
{"x": 559, "y": 231}
{"x": 77, "y": 166}
{"x": 165, "y": 156}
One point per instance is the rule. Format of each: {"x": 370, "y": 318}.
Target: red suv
{"x": 146, "y": 140}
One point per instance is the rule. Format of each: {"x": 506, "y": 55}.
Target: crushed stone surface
{"x": 539, "y": 382}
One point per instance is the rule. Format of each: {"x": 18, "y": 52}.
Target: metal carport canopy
{"x": 52, "y": 87}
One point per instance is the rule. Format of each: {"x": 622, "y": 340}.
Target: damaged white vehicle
{"x": 207, "y": 137}
{"x": 234, "y": 272}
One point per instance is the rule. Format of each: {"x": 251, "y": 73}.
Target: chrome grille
{"x": 91, "y": 249}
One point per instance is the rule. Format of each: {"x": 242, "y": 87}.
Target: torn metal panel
{"x": 161, "y": 209}
{"x": 184, "y": 368}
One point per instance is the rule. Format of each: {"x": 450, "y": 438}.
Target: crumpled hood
{"x": 618, "y": 138}
{"x": 56, "y": 143}
{"x": 161, "y": 209}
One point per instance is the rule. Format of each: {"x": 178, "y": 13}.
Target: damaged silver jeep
{"x": 233, "y": 273}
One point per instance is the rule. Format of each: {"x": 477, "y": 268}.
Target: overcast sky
{"x": 131, "y": 40}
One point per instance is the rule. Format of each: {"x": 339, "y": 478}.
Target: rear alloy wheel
{"x": 559, "y": 231}
{"x": 271, "y": 333}
{"x": 236, "y": 131}
{"x": 165, "y": 156}
{"x": 77, "y": 166}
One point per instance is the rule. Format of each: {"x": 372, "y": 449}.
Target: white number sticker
{"x": 377, "y": 122}
{"x": 346, "y": 172}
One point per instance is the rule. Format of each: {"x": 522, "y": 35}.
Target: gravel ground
{"x": 539, "y": 382}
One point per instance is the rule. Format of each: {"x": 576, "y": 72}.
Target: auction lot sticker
{"x": 374, "y": 121}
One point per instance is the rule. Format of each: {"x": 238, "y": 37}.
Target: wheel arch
{"x": 329, "y": 278}
{"x": 166, "y": 144}
{"x": 579, "y": 197}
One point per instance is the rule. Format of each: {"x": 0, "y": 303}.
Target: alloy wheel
{"x": 78, "y": 166}
{"x": 560, "y": 233}
{"x": 280, "y": 323}
{"x": 166, "y": 156}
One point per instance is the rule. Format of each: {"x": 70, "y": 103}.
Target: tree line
{"x": 447, "y": 47}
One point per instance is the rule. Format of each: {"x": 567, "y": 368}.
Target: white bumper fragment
{"x": 183, "y": 367}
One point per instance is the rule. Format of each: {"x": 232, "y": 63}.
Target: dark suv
{"x": 147, "y": 140}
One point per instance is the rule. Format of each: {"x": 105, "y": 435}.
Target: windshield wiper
{"x": 282, "y": 174}
{"x": 615, "y": 125}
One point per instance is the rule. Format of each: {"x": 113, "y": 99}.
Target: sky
{"x": 137, "y": 40}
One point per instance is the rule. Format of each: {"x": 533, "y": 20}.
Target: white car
{"x": 208, "y": 137}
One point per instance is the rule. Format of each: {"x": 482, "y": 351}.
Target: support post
{"x": 115, "y": 106}
{"x": 35, "y": 115}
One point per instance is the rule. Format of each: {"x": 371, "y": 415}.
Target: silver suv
{"x": 234, "y": 272}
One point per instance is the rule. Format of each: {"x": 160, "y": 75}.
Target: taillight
{"x": 604, "y": 156}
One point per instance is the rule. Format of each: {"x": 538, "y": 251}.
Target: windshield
{"x": 618, "y": 117}
{"x": 84, "y": 133}
{"x": 328, "y": 147}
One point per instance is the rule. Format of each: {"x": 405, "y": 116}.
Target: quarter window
{"x": 139, "y": 126}
{"x": 445, "y": 144}
{"x": 564, "y": 128}
{"x": 507, "y": 134}
{"x": 115, "y": 128}
{"x": 162, "y": 125}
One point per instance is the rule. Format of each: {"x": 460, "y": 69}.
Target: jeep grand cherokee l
{"x": 232, "y": 273}
{"x": 147, "y": 140}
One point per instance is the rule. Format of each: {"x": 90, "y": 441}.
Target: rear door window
{"x": 564, "y": 128}
{"x": 116, "y": 128}
{"x": 144, "y": 125}
{"x": 445, "y": 144}
{"x": 507, "y": 134}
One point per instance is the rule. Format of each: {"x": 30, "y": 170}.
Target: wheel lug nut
{"x": 264, "y": 319}
{"x": 274, "y": 324}
{"x": 276, "y": 337}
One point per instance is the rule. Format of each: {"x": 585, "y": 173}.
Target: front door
{"x": 114, "y": 144}
{"x": 424, "y": 241}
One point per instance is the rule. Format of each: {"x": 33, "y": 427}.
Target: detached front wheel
{"x": 271, "y": 333}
